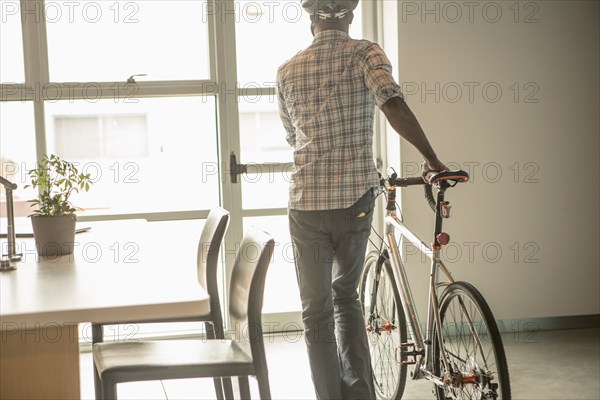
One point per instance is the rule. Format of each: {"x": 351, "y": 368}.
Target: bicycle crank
{"x": 402, "y": 353}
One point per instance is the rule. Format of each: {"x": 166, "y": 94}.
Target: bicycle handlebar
{"x": 440, "y": 179}
{"x": 404, "y": 182}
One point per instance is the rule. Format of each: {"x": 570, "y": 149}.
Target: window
{"x": 157, "y": 150}
{"x": 101, "y": 136}
{"x": 267, "y": 189}
{"x": 17, "y": 141}
{"x": 281, "y": 291}
{"x": 96, "y": 41}
{"x": 262, "y": 136}
{"x": 268, "y": 33}
{"x": 148, "y": 155}
{"x": 12, "y": 68}
{"x": 149, "y": 152}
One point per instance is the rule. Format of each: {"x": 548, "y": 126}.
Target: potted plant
{"x": 54, "y": 220}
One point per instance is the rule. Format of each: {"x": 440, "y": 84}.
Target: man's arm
{"x": 284, "y": 115}
{"x": 405, "y": 123}
{"x": 387, "y": 95}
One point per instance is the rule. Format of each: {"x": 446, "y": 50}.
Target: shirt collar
{"x": 329, "y": 35}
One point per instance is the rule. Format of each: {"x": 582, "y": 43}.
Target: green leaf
{"x": 56, "y": 180}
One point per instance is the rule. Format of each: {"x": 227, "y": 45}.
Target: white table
{"x": 120, "y": 271}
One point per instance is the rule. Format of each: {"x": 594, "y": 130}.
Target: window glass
{"x": 91, "y": 41}
{"x": 17, "y": 156}
{"x": 268, "y": 33}
{"x": 264, "y": 188}
{"x": 102, "y": 136}
{"x": 145, "y": 155}
{"x": 262, "y": 136}
{"x": 281, "y": 287}
{"x": 11, "y": 44}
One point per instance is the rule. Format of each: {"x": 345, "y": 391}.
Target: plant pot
{"x": 54, "y": 236}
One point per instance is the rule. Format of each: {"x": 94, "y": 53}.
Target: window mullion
{"x": 228, "y": 125}
{"x": 212, "y": 39}
{"x": 35, "y": 55}
{"x": 94, "y": 91}
{"x": 35, "y": 63}
{"x": 256, "y": 92}
{"x": 12, "y": 92}
{"x": 373, "y": 30}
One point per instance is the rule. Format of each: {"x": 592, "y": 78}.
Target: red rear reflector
{"x": 443, "y": 238}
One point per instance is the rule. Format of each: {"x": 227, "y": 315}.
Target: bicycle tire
{"x": 489, "y": 377}
{"x": 389, "y": 375}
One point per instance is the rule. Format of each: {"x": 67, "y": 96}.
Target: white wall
{"x": 544, "y": 143}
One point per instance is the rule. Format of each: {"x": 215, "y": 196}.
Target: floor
{"x": 545, "y": 365}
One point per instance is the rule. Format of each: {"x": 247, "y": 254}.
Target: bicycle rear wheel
{"x": 386, "y": 326}
{"x": 473, "y": 347}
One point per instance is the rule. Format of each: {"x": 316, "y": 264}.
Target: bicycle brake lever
{"x": 391, "y": 172}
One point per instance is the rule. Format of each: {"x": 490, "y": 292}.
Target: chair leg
{"x": 97, "y": 384}
{"x": 109, "y": 390}
{"x": 211, "y": 335}
{"x": 263, "y": 385}
{"x": 218, "y": 388}
{"x": 227, "y": 388}
{"x": 244, "y": 387}
{"x": 97, "y": 337}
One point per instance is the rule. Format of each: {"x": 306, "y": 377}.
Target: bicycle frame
{"x": 423, "y": 361}
{"x": 422, "y": 350}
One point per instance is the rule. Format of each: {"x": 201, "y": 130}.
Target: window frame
{"x": 38, "y": 89}
{"x": 222, "y": 53}
{"x": 221, "y": 84}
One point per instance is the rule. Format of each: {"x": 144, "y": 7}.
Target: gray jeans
{"x": 329, "y": 248}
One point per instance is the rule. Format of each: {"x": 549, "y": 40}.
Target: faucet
{"x": 10, "y": 212}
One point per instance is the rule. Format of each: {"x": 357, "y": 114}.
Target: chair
{"x": 207, "y": 265}
{"x": 178, "y": 359}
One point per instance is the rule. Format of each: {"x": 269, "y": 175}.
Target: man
{"x": 327, "y": 94}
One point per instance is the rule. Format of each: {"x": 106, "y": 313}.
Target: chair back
{"x": 208, "y": 257}
{"x": 247, "y": 288}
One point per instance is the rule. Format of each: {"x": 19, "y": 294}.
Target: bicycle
{"x": 461, "y": 350}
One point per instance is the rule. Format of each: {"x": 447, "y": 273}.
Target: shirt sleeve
{"x": 377, "y": 72}
{"x": 285, "y": 117}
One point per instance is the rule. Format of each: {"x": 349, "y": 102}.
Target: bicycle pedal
{"x": 408, "y": 362}
{"x": 409, "y": 353}
{"x": 413, "y": 353}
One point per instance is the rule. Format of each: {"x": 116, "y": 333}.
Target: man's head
{"x": 330, "y": 14}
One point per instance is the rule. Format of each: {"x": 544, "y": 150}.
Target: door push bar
{"x": 236, "y": 169}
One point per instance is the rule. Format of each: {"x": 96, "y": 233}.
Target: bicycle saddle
{"x": 455, "y": 176}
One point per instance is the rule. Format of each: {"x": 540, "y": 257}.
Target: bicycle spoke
{"x": 469, "y": 349}
{"x": 384, "y": 333}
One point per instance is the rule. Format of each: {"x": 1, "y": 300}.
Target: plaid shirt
{"x": 327, "y": 94}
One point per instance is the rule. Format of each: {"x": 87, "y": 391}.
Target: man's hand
{"x": 433, "y": 166}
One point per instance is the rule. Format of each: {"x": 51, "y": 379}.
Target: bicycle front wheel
{"x": 477, "y": 367}
{"x": 386, "y": 326}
